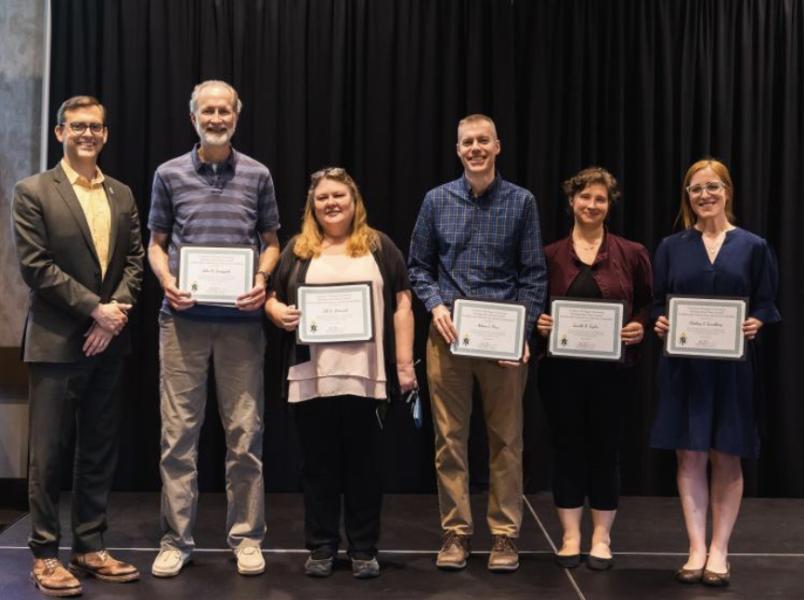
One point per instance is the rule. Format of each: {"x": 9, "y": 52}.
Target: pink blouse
{"x": 356, "y": 368}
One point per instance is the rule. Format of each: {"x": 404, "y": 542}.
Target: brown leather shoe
{"x": 454, "y": 552}
{"x": 52, "y": 579}
{"x": 103, "y": 566}
{"x": 504, "y": 556}
{"x": 713, "y": 579}
{"x": 689, "y": 575}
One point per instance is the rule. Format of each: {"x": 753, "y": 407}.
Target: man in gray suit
{"x": 77, "y": 235}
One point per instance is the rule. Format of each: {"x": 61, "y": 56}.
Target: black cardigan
{"x": 292, "y": 271}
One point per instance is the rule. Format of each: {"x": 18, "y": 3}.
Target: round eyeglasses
{"x": 713, "y": 187}
{"x": 79, "y": 127}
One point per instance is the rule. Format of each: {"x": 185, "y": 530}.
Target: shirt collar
{"x": 76, "y": 178}
{"x": 467, "y": 187}
{"x": 200, "y": 166}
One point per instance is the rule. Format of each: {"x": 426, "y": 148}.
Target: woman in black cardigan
{"x": 336, "y": 389}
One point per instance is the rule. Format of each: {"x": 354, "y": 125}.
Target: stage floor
{"x": 767, "y": 555}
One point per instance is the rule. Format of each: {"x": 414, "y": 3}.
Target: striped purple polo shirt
{"x": 197, "y": 204}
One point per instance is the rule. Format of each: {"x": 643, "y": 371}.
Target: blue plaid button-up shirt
{"x": 484, "y": 247}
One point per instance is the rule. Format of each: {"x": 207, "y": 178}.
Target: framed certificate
{"x": 490, "y": 329}
{"x": 706, "y": 327}
{"x": 216, "y": 274}
{"x": 587, "y": 329}
{"x": 337, "y": 313}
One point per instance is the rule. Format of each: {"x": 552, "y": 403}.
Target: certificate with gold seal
{"x": 216, "y": 275}
{"x": 588, "y": 329}
{"x": 490, "y": 329}
{"x": 335, "y": 313}
{"x": 706, "y": 327}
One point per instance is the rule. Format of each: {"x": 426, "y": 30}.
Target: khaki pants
{"x": 451, "y": 380}
{"x": 237, "y": 350}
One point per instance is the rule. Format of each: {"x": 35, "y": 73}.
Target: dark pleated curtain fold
{"x": 641, "y": 87}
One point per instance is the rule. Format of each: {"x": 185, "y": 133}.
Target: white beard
{"x": 215, "y": 138}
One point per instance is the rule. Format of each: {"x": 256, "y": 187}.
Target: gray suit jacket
{"x": 59, "y": 263}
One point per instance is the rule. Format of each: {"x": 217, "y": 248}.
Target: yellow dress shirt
{"x": 92, "y": 198}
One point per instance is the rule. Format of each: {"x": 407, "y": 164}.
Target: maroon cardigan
{"x": 621, "y": 269}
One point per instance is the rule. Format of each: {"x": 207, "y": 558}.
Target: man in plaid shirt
{"x": 477, "y": 236}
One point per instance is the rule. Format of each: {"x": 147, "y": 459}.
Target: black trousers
{"x": 584, "y": 404}
{"x": 63, "y": 397}
{"x": 341, "y": 445}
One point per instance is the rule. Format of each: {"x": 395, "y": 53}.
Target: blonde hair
{"x": 362, "y": 238}
{"x": 477, "y": 118}
{"x": 686, "y": 216}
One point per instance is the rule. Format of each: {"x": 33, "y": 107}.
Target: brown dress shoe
{"x": 504, "y": 556}
{"x": 454, "y": 552}
{"x": 52, "y": 579}
{"x": 103, "y": 566}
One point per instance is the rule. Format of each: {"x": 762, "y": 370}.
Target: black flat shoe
{"x": 567, "y": 561}
{"x": 599, "y": 564}
{"x": 713, "y": 579}
{"x": 689, "y": 575}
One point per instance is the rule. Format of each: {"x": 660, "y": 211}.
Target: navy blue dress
{"x": 703, "y": 403}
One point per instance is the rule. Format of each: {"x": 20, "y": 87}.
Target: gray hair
{"x": 237, "y": 104}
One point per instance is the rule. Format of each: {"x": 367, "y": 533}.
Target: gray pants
{"x": 237, "y": 350}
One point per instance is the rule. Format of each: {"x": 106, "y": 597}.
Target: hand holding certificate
{"x": 489, "y": 329}
{"x": 216, "y": 275}
{"x": 587, "y": 329}
{"x": 335, "y": 313}
{"x": 706, "y": 327}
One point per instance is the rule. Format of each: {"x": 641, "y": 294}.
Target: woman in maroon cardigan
{"x": 584, "y": 398}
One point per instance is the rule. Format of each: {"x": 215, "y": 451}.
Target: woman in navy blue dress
{"x": 705, "y": 411}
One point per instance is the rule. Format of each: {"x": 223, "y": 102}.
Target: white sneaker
{"x": 249, "y": 560}
{"x": 169, "y": 563}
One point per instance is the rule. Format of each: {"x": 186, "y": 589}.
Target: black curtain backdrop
{"x": 642, "y": 87}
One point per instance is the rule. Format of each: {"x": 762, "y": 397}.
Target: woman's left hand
{"x": 407, "y": 376}
{"x": 751, "y": 327}
{"x": 632, "y": 333}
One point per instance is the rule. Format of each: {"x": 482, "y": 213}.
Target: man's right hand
{"x": 112, "y": 316}
{"x": 661, "y": 326}
{"x": 97, "y": 340}
{"x": 177, "y": 299}
{"x": 443, "y": 323}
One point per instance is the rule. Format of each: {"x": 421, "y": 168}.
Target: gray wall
{"x": 22, "y": 43}
{"x": 22, "y": 30}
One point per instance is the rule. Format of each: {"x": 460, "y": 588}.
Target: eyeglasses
{"x": 328, "y": 172}
{"x": 713, "y": 187}
{"x": 79, "y": 127}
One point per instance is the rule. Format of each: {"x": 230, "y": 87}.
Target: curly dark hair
{"x": 589, "y": 176}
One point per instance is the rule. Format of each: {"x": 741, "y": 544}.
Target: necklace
{"x": 712, "y": 245}
{"x": 585, "y": 245}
